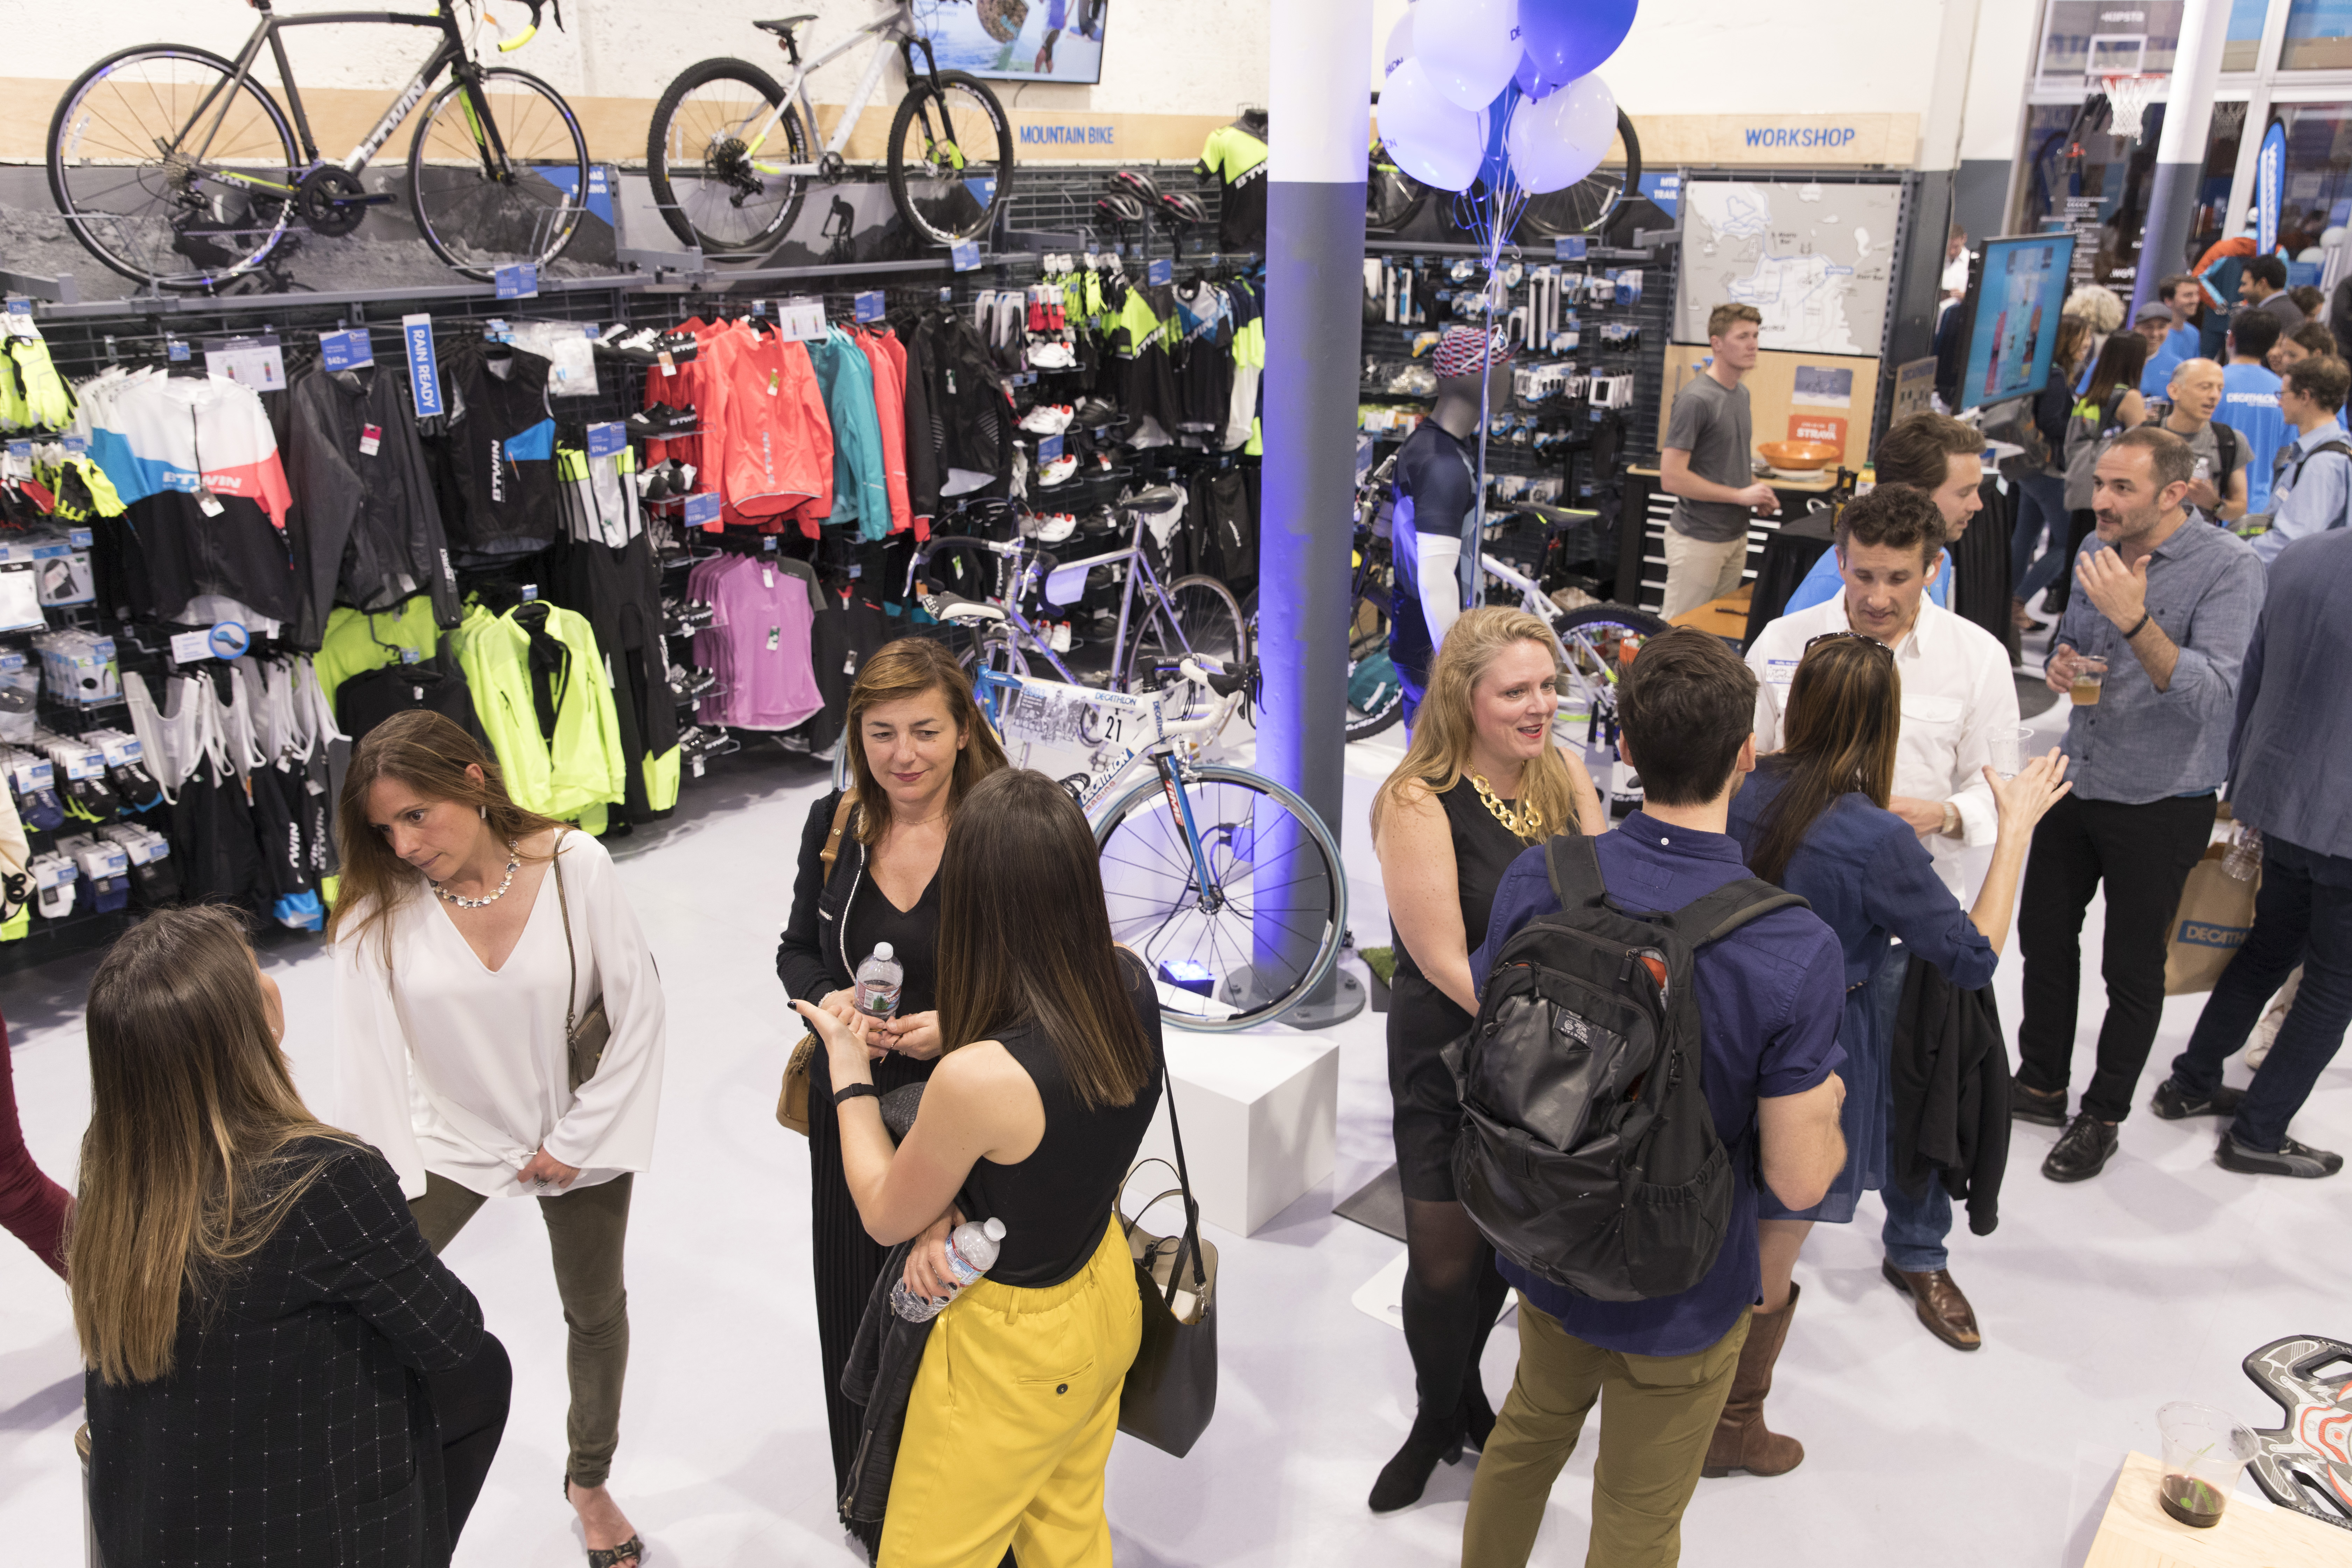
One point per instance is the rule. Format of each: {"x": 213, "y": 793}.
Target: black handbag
{"x": 1171, "y": 1389}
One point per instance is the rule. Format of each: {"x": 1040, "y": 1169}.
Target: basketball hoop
{"x": 2128, "y": 97}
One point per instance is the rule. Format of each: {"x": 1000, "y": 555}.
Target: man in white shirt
{"x": 1959, "y": 714}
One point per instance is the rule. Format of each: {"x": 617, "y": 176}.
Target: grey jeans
{"x": 587, "y": 1230}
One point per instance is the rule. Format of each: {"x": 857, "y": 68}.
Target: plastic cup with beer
{"x": 2090, "y": 675}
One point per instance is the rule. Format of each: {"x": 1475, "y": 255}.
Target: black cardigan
{"x": 1949, "y": 1074}
{"x": 295, "y": 1427}
{"x": 809, "y": 959}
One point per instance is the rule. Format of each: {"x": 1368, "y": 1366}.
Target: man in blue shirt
{"x": 1770, "y": 997}
{"x": 2293, "y": 725}
{"x": 2154, "y": 323}
{"x": 1931, "y": 452}
{"x": 2250, "y": 400}
{"x": 2314, "y": 485}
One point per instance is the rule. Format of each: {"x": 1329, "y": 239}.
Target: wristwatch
{"x": 1952, "y": 820}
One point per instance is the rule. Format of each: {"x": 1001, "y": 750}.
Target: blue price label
{"x": 1048, "y": 449}
{"x": 965, "y": 255}
{"x": 1161, "y": 271}
{"x": 519, "y": 281}
{"x": 21, "y": 450}
{"x": 1567, "y": 247}
{"x": 19, "y": 305}
{"x": 175, "y": 351}
{"x": 870, "y": 305}
{"x": 607, "y": 439}
{"x": 702, "y": 510}
{"x": 346, "y": 351}
{"x": 424, "y": 366}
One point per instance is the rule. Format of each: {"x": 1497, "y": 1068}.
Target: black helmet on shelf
{"x": 1138, "y": 185}
{"x": 1118, "y": 207}
{"x": 1183, "y": 209}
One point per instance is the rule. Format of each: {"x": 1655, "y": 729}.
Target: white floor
{"x": 2099, "y": 1303}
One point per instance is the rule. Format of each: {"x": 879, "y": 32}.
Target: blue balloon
{"x": 1531, "y": 81}
{"x": 1566, "y": 40}
{"x": 1498, "y": 116}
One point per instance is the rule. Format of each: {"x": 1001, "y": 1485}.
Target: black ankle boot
{"x": 1433, "y": 1438}
{"x": 1477, "y": 1416}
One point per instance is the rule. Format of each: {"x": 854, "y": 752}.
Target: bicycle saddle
{"x": 950, "y": 608}
{"x": 782, "y": 26}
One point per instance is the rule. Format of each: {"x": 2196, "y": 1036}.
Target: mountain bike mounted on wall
{"x": 176, "y": 168}
{"x": 731, "y": 150}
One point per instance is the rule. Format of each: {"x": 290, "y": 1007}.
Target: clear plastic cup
{"x": 2009, "y": 752}
{"x": 2205, "y": 1451}
{"x": 2090, "y": 675}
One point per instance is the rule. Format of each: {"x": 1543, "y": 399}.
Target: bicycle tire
{"x": 1600, "y": 677}
{"x": 1585, "y": 206}
{"x": 278, "y": 211}
{"x": 1392, "y": 198}
{"x": 721, "y": 163}
{"x": 1149, "y": 794}
{"x": 1223, "y": 636}
{"x": 479, "y": 232}
{"x": 996, "y": 648}
{"x": 953, "y": 220}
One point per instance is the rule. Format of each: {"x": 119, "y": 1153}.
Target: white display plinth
{"x": 1261, "y": 1116}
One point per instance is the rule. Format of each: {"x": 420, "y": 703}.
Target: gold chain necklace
{"x": 1524, "y": 822}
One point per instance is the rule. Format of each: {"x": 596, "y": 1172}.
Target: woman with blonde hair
{"x": 868, "y": 873}
{"x": 478, "y": 948}
{"x": 281, "y": 1370}
{"x": 1481, "y": 782}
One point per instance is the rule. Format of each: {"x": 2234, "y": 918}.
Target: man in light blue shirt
{"x": 1931, "y": 452}
{"x": 2250, "y": 400}
{"x": 2155, "y": 325}
{"x": 2314, "y": 489}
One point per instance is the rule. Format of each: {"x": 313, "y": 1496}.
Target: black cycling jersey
{"x": 1436, "y": 483}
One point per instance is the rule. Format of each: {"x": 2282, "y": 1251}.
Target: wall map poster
{"x": 1818, "y": 260}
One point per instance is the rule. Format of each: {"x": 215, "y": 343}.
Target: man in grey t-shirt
{"x": 1705, "y": 463}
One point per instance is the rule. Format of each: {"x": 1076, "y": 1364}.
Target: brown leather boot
{"x": 1741, "y": 1440}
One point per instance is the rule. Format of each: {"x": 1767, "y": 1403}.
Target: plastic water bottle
{"x": 971, "y": 1252}
{"x": 879, "y": 979}
{"x": 2244, "y": 860}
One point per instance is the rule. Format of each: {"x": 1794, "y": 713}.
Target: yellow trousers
{"x": 1009, "y": 1425}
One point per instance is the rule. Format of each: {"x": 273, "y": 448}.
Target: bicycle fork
{"x": 1179, "y": 810}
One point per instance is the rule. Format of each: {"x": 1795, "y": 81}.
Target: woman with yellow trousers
{"x": 1050, "y": 1074}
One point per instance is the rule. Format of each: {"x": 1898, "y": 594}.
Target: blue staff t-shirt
{"x": 2249, "y": 406}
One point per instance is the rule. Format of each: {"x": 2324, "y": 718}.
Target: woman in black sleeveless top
{"x": 1051, "y": 1073}
{"x": 1481, "y": 782}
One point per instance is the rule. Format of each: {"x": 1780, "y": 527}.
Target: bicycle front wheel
{"x": 1599, "y": 641}
{"x": 1255, "y": 937}
{"x": 500, "y": 178}
{"x": 712, "y": 165}
{"x": 951, "y": 158}
{"x": 171, "y": 171}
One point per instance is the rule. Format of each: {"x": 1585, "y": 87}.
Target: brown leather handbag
{"x": 792, "y": 1099}
{"x": 586, "y": 1035}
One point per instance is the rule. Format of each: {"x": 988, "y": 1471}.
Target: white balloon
{"x": 1399, "y": 45}
{"x": 1558, "y": 140}
{"x": 1470, "y": 48}
{"x": 1431, "y": 139}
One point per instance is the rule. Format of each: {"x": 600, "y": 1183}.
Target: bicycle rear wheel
{"x": 496, "y": 189}
{"x": 1600, "y": 640}
{"x": 951, "y": 158}
{"x": 1265, "y": 929}
{"x": 707, "y": 179}
{"x": 165, "y": 172}
{"x": 1207, "y": 625}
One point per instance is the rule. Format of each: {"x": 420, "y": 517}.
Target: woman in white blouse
{"x": 459, "y": 974}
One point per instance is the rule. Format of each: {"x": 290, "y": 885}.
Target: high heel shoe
{"x": 1402, "y": 1479}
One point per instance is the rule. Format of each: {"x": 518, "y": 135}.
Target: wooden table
{"x": 1726, "y": 617}
{"x": 2138, "y": 1534}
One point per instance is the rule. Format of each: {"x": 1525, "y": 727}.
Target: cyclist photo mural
{"x": 1053, "y": 40}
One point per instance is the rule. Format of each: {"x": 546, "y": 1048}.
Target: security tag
{"x": 767, "y": 576}
{"x": 776, "y": 639}
{"x": 371, "y": 440}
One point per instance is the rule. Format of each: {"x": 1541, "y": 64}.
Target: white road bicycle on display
{"x": 1225, "y": 882}
{"x": 731, "y": 150}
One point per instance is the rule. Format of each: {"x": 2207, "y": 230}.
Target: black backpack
{"x": 1587, "y": 1154}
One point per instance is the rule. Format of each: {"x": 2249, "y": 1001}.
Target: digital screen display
{"x": 1017, "y": 40}
{"x": 2020, "y": 288}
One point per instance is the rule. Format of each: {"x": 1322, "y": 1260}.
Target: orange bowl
{"x": 1798, "y": 455}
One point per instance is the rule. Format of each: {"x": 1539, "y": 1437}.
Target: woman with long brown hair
{"x": 1481, "y": 780}
{"x": 1050, "y": 1075}
{"x": 1814, "y": 817}
{"x": 281, "y": 1370}
{"x": 868, "y": 874}
{"x": 473, "y": 941}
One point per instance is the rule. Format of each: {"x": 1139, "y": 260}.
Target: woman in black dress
{"x": 918, "y": 744}
{"x": 1482, "y": 781}
{"x": 281, "y": 1370}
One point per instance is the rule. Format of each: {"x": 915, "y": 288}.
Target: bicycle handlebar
{"x": 509, "y": 46}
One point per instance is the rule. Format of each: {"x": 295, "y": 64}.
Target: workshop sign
{"x": 1783, "y": 139}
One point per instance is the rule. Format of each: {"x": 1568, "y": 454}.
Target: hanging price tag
{"x": 1048, "y": 449}
{"x": 1568, "y": 247}
{"x": 175, "y": 351}
{"x": 346, "y": 351}
{"x": 1161, "y": 271}
{"x": 606, "y": 440}
{"x": 702, "y": 511}
{"x": 870, "y": 307}
{"x": 424, "y": 366}
{"x": 371, "y": 440}
{"x": 256, "y": 363}
{"x": 802, "y": 320}
{"x": 963, "y": 254}
{"x": 519, "y": 281}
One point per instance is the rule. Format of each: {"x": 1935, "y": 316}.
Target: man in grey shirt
{"x": 2263, "y": 285}
{"x": 2170, "y": 603}
{"x": 1707, "y": 463}
{"x": 2293, "y": 725}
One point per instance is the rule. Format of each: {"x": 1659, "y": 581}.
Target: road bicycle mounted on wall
{"x": 176, "y": 168}
{"x": 1225, "y": 883}
{"x": 1393, "y": 198}
{"x": 731, "y": 150}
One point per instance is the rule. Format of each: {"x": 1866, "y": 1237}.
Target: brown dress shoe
{"x": 1741, "y": 1441}
{"x": 1941, "y": 1306}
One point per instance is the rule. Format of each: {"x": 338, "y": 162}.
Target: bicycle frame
{"x": 897, "y": 24}
{"x": 449, "y": 55}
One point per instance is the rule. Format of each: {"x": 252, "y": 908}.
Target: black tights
{"x": 1452, "y": 1296}
{"x": 470, "y": 1404}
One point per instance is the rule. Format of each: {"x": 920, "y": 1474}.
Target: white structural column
{"x": 2180, "y": 146}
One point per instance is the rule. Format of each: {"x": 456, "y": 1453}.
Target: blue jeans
{"x": 1915, "y": 1228}
{"x": 2303, "y": 915}
{"x": 2042, "y": 503}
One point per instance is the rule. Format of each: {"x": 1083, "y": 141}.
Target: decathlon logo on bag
{"x": 2204, "y": 934}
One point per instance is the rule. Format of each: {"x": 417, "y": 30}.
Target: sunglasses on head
{"x": 1812, "y": 642}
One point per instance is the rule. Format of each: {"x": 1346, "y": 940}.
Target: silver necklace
{"x": 514, "y": 860}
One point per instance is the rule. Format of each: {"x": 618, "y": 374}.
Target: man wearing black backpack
{"x": 1769, "y": 992}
